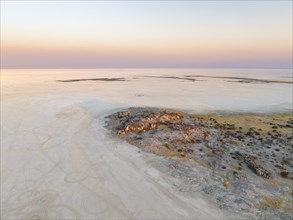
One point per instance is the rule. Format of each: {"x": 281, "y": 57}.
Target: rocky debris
{"x": 253, "y": 165}
{"x": 146, "y": 121}
{"x": 229, "y": 151}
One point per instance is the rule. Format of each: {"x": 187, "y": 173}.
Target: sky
{"x": 146, "y": 34}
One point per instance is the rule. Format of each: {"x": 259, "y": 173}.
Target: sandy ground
{"x": 58, "y": 161}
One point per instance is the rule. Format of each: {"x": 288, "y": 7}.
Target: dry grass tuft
{"x": 274, "y": 203}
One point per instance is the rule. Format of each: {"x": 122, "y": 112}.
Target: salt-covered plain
{"x": 59, "y": 161}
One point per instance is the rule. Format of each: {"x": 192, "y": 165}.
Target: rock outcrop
{"x": 246, "y": 159}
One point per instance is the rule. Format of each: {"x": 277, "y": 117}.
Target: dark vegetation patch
{"x": 93, "y": 79}
{"x": 241, "y": 79}
{"x": 173, "y": 77}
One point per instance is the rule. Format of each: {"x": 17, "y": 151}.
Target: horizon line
{"x": 7, "y": 68}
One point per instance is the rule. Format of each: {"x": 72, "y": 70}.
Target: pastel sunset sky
{"x": 117, "y": 34}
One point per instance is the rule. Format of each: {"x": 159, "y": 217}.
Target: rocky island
{"x": 243, "y": 162}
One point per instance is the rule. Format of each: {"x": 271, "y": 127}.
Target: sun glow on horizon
{"x": 146, "y": 34}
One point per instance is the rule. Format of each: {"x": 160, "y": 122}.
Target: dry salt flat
{"x": 58, "y": 161}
